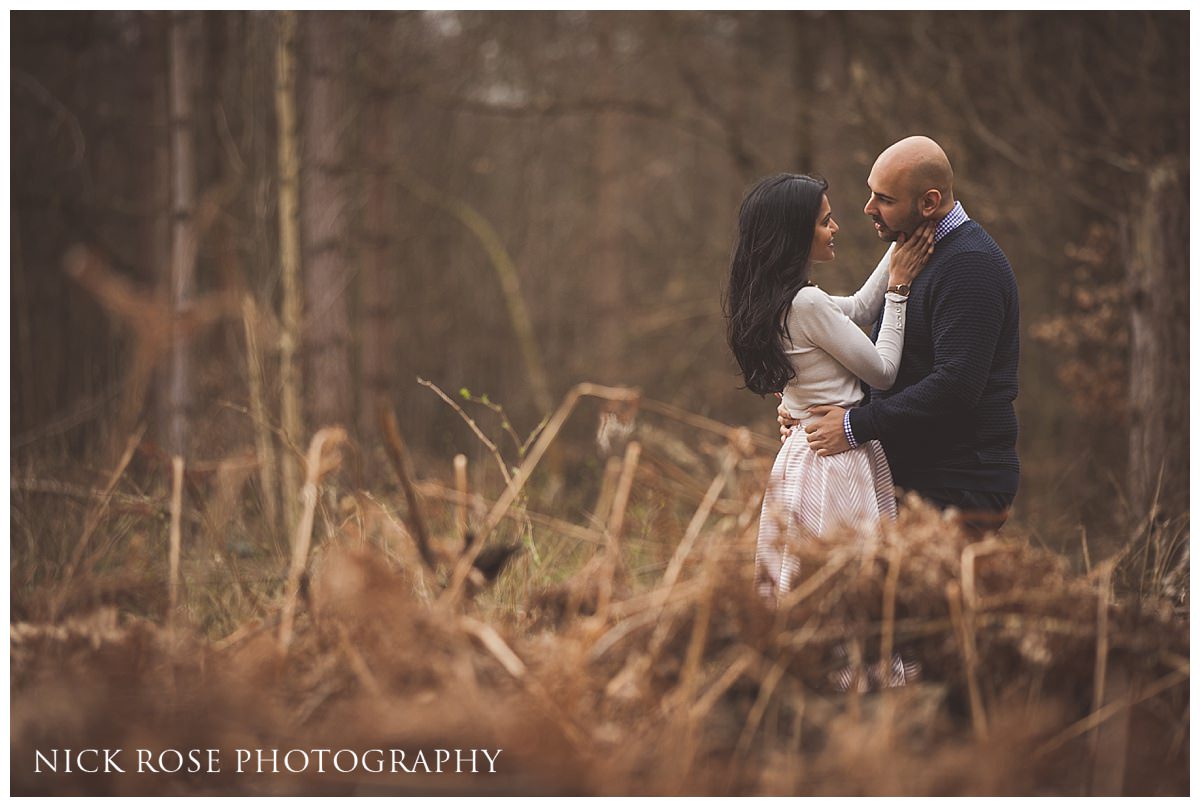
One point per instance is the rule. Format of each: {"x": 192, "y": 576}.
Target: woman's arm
{"x": 902, "y": 262}
{"x": 862, "y": 307}
{"x": 823, "y": 322}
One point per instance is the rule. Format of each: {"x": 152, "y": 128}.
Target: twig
{"x": 962, "y": 612}
{"x": 613, "y": 533}
{"x": 435, "y": 490}
{"x": 332, "y": 436}
{"x": 669, "y": 471}
{"x": 1174, "y": 660}
{"x": 492, "y": 642}
{"x": 358, "y": 664}
{"x": 460, "y": 487}
{"x": 635, "y": 613}
{"x": 733, "y": 672}
{"x": 530, "y": 462}
{"x": 765, "y": 690}
{"x": 262, "y": 436}
{"x": 667, "y": 587}
{"x": 889, "y": 607}
{"x": 966, "y": 644}
{"x": 1096, "y": 718}
{"x": 628, "y": 469}
{"x": 176, "y": 509}
{"x": 1101, "y": 668}
{"x": 68, "y": 418}
{"x": 608, "y": 488}
{"x": 668, "y": 486}
{"x": 263, "y": 424}
{"x": 533, "y": 435}
{"x": 241, "y": 634}
{"x": 483, "y": 438}
{"x": 61, "y": 111}
{"x": 505, "y": 425}
{"x": 967, "y": 562}
{"x": 701, "y": 620}
{"x": 697, "y": 523}
{"x": 701, "y": 422}
{"x": 486, "y": 635}
{"x": 832, "y": 566}
{"x": 97, "y": 513}
{"x": 683, "y": 694}
{"x": 398, "y": 453}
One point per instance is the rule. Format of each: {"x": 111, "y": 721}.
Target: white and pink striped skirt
{"x": 810, "y": 496}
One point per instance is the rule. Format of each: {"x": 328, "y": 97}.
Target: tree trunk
{"x": 322, "y": 225}
{"x": 156, "y": 188}
{"x": 184, "y": 31}
{"x": 1158, "y": 278}
{"x": 380, "y": 272}
{"x": 289, "y": 264}
{"x": 608, "y": 274}
{"x": 804, "y": 76}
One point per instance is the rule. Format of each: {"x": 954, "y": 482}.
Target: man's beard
{"x": 886, "y": 233}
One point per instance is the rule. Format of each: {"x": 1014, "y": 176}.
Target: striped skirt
{"x": 809, "y": 496}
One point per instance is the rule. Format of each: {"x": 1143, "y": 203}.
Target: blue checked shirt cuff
{"x": 849, "y": 432}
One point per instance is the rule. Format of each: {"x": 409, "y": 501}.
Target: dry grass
{"x": 623, "y": 652}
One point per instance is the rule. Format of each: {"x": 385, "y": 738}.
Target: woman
{"x": 789, "y": 336}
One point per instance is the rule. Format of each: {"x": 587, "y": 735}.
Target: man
{"x": 947, "y": 425}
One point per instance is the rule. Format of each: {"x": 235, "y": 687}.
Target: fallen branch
{"x": 398, "y": 453}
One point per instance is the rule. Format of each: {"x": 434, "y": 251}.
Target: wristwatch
{"x": 902, "y": 289}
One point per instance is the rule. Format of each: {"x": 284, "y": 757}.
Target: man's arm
{"x": 967, "y": 317}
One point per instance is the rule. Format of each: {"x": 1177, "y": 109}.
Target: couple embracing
{"x": 925, "y": 404}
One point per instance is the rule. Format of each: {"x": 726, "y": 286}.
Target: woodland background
{"x": 245, "y": 246}
{"x": 513, "y": 203}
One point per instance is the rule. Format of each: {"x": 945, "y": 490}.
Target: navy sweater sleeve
{"x": 967, "y": 314}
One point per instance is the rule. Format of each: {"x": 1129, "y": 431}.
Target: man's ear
{"x": 929, "y": 202}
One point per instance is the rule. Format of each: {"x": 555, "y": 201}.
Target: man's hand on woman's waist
{"x": 827, "y": 432}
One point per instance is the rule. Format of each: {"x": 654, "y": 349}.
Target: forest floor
{"x": 606, "y": 641}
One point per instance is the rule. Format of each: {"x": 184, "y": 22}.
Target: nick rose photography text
{"x": 267, "y": 760}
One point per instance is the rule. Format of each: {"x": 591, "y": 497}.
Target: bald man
{"x": 947, "y": 425}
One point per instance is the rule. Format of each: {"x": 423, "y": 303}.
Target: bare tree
{"x": 608, "y": 265}
{"x": 290, "y": 374}
{"x": 379, "y": 283}
{"x": 1157, "y": 265}
{"x": 183, "y": 32}
{"x": 323, "y": 222}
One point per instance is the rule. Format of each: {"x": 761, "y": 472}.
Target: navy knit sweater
{"x": 948, "y": 421}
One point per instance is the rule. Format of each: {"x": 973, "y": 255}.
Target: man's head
{"x": 910, "y": 182}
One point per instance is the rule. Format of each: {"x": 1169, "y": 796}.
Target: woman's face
{"x": 822, "y": 245}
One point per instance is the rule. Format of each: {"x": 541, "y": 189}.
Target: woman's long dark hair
{"x": 769, "y": 265}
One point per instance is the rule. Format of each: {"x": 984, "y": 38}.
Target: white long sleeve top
{"x": 830, "y": 352}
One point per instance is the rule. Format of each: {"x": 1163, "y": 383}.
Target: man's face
{"x": 892, "y": 206}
